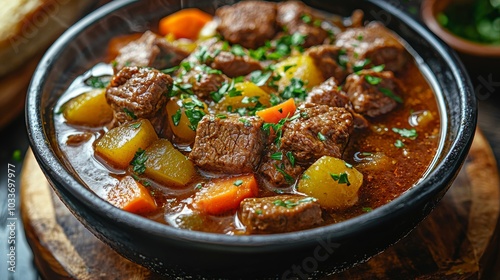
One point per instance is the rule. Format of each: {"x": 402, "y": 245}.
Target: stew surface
{"x": 263, "y": 118}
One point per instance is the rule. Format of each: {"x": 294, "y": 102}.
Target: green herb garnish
{"x": 138, "y": 162}
{"x": 407, "y": 133}
{"x": 341, "y": 178}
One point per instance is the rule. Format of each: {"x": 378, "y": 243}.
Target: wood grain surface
{"x": 457, "y": 241}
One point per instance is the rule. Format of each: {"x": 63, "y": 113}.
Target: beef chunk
{"x": 373, "y": 93}
{"x": 204, "y": 81}
{"x": 229, "y": 145}
{"x": 248, "y": 23}
{"x": 328, "y": 93}
{"x": 214, "y": 54}
{"x": 277, "y": 214}
{"x": 321, "y": 130}
{"x": 331, "y": 94}
{"x": 138, "y": 93}
{"x": 279, "y": 173}
{"x": 371, "y": 45}
{"x": 150, "y": 50}
{"x": 234, "y": 65}
{"x": 291, "y": 18}
{"x": 326, "y": 58}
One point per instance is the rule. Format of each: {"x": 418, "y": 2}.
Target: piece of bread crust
{"x": 30, "y": 26}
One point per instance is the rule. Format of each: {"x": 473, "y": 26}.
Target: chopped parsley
{"x": 288, "y": 178}
{"x": 258, "y": 211}
{"x": 367, "y": 209}
{"x": 291, "y": 158}
{"x": 348, "y": 165}
{"x": 225, "y": 89}
{"x": 407, "y": 133}
{"x": 203, "y": 55}
{"x": 176, "y": 118}
{"x": 238, "y": 50}
{"x": 399, "y": 144}
{"x": 296, "y": 90}
{"x": 138, "y": 162}
{"x": 136, "y": 125}
{"x": 194, "y": 116}
{"x": 246, "y": 122}
{"x": 221, "y": 116}
{"x": 305, "y": 177}
{"x": 277, "y": 156}
{"x": 360, "y": 65}
{"x": 378, "y": 68}
{"x": 238, "y": 183}
{"x": 387, "y": 92}
{"x": 373, "y": 80}
{"x": 321, "y": 137}
{"x": 260, "y": 78}
{"x": 98, "y": 81}
{"x": 198, "y": 186}
{"x": 130, "y": 113}
{"x": 290, "y": 204}
{"x": 306, "y": 18}
{"x": 341, "y": 178}
{"x": 170, "y": 70}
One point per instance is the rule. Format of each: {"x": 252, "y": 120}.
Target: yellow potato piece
{"x": 318, "y": 181}
{"x": 119, "y": 145}
{"x": 182, "y": 130}
{"x": 166, "y": 165}
{"x": 89, "y": 109}
{"x": 248, "y": 91}
{"x": 301, "y": 67}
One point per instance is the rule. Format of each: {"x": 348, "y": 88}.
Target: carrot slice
{"x": 131, "y": 196}
{"x": 276, "y": 113}
{"x": 185, "y": 23}
{"x": 222, "y": 195}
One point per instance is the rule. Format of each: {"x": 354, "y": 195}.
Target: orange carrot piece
{"x": 185, "y": 23}
{"x": 276, "y": 113}
{"x": 222, "y": 195}
{"x": 131, "y": 196}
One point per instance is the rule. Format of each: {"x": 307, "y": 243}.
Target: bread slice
{"x": 30, "y": 26}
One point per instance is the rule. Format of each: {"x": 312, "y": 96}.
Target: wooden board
{"x": 457, "y": 241}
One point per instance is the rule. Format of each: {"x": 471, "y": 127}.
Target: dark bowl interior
{"x": 176, "y": 252}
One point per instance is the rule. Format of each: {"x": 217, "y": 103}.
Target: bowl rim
{"x": 428, "y": 12}
{"x": 59, "y": 176}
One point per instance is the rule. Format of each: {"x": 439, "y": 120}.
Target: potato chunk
{"x": 166, "y": 165}
{"x": 89, "y": 109}
{"x": 333, "y": 182}
{"x": 119, "y": 145}
{"x": 250, "y": 95}
{"x": 300, "y": 67}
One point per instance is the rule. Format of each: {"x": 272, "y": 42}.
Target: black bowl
{"x": 177, "y": 252}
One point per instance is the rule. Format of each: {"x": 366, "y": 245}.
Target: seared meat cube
{"x": 291, "y": 16}
{"x": 373, "y": 93}
{"x": 220, "y": 57}
{"x": 234, "y": 65}
{"x": 278, "y": 214}
{"x": 229, "y": 145}
{"x": 331, "y": 94}
{"x": 248, "y": 23}
{"x": 138, "y": 93}
{"x": 326, "y": 58}
{"x": 328, "y": 93}
{"x": 150, "y": 50}
{"x": 204, "y": 82}
{"x": 371, "y": 45}
{"x": 321, "y": 130}
{"x": 279, "y": 173}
